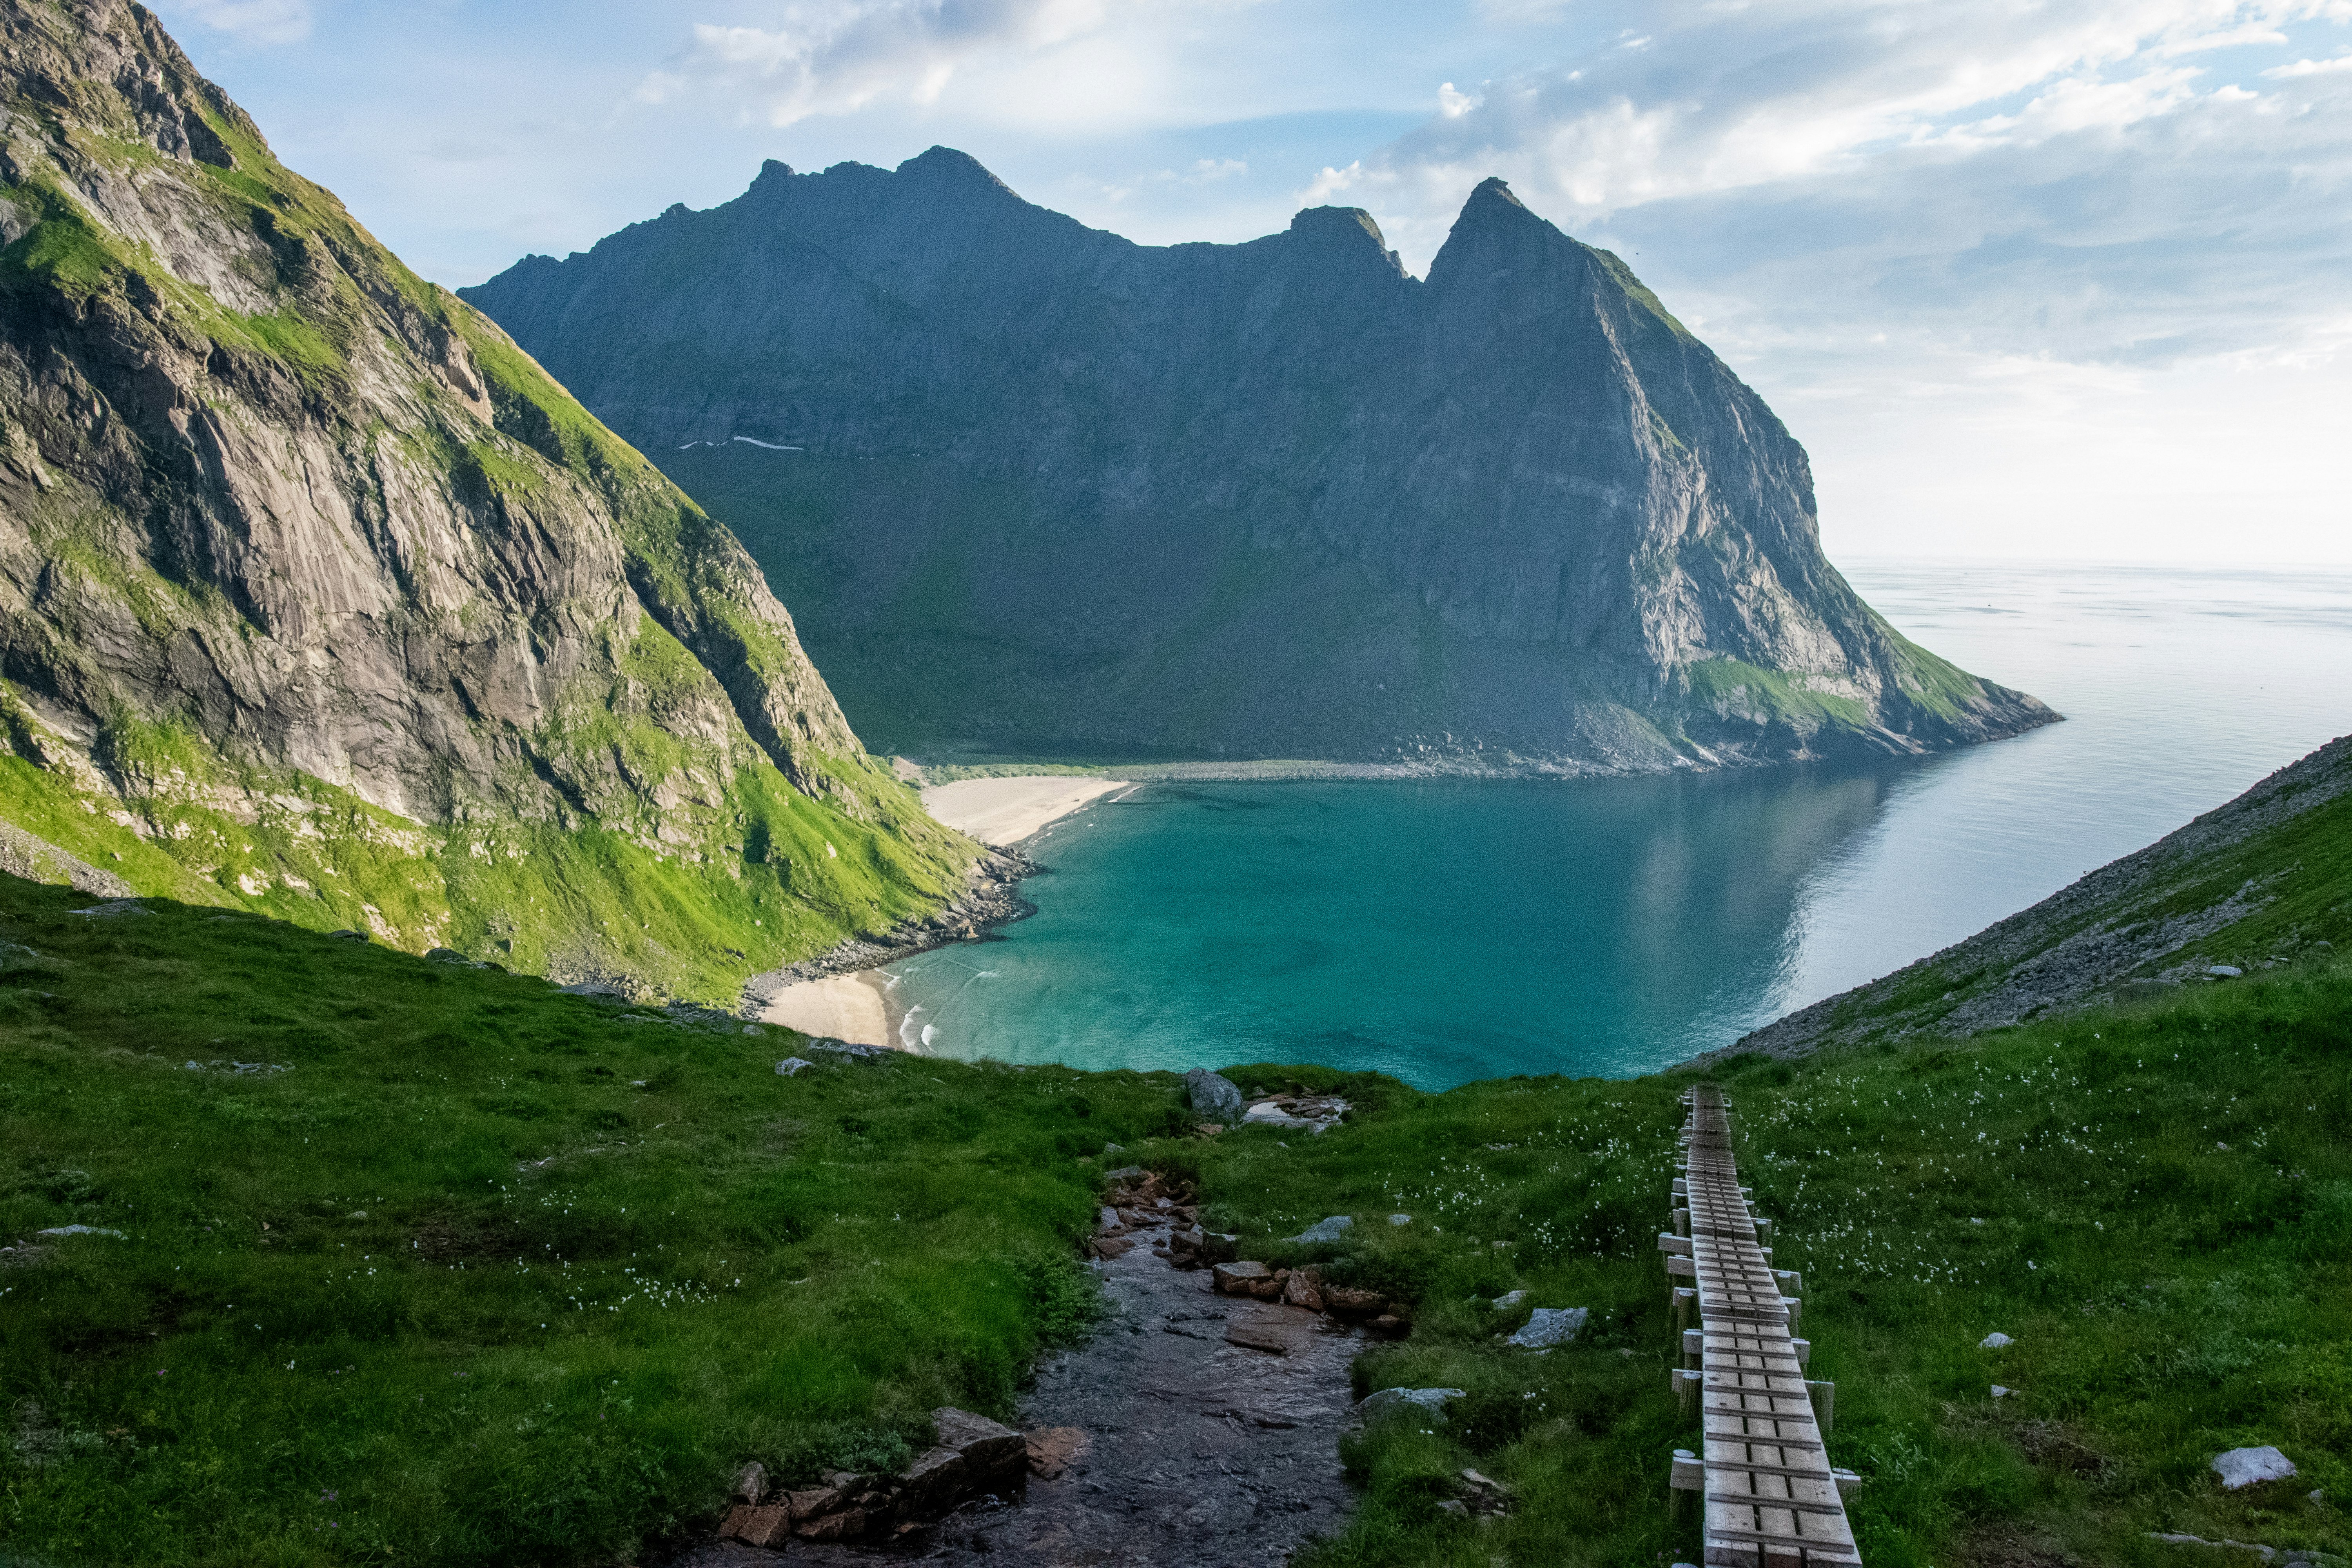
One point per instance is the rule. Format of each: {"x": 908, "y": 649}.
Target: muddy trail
{"x": 1199, "y": 1430}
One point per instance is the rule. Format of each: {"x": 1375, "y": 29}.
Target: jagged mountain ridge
{"x": 1048, "y": 490}
{"x": 321, "y": 597}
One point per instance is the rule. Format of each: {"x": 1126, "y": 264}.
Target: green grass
{"x": 2156, "y": 1201}
{"x": 1729, "y": 684}
{"x": 489, "y": 1274}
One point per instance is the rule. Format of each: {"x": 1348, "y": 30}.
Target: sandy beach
{"x": 1003, "y": 812}
{"x": 856, "y": 1006}
{"x": 852, "y": 1007}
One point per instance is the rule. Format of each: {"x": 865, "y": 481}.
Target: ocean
{"x": 1449, "y": 930}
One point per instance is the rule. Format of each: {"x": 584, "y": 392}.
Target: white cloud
{"x": 835, "y": 56}
{"x": 249, "y": 21}
{"x": 2309, "y": 68}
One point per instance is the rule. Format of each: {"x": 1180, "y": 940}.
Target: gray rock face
{"x": 299, "y": 554}
{"x": 1213, "y": 1094}
{"x": 1058, "y": 493}
{"x": 1335, "y": 1228}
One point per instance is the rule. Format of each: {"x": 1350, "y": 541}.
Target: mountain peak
{"x": 946, "y": 166}
{"x": 1492, "y": 198}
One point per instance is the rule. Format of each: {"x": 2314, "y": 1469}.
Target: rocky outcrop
{"x": 1049, "y": 491}
{"x": 319, "y": 595}
{"x": 2254, "y": 880}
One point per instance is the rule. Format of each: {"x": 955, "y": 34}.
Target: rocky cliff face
{"x": 1040, "y": 490}
{"x": 318, "y": 595}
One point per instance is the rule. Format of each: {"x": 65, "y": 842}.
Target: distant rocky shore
{"x": 990, "y": 898}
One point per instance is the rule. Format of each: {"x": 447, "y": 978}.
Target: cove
{"x": 1450, "y": 930}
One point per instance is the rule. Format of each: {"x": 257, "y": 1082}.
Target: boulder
{"x": 792, "y": 1066}
{"x": 1389, "y": 1326}
{"x": 1242, "y": 1278}
{"x": 1994, "y": 1342}
{"x": 992, "y": 1451}
{"x": 1343, "y": 1303}
{"x": 750, "y": 1481}
{"x": 2252, "y": 1467}
{"x": 936, "y": 1476}
{"x": 1107, "y": 1220}
{"x": 1258, "y": 1336}
{"x": 814, "y": 1501}
{"x": 845, "y": 1525}
{"x": 1504, "y": 1303}
{"x": 1304, "y": 1289}
{"x": 1213, "y": 1094}
{"x": 1113, "y": 1246}
{"x": 757, "y": 1526}
{"x": 1550, "y": 1326}
{"x": 1391, "y": 1402}
{"x": 1054, "y": 1449}
{"x": 2225, "y": 971}
{"x": 1332, "y": 1229}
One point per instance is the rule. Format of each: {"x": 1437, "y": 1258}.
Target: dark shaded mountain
{"x": 2254, "y": 884}
{"x": 1046, "y": 491}
{"x": 318, "y": 596}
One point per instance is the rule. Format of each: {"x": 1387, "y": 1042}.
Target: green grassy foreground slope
{"x": 492, "y": 1274}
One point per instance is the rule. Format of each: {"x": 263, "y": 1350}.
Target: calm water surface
{"x": 1453, "y": 930}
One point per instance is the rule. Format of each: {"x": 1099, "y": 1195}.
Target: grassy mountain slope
{"x": 492, "y": 1274}
{"x": 318, "y": 598}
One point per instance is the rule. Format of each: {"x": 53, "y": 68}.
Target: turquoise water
{"x": 1451, "y": 930}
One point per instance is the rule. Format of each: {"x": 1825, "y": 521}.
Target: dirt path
{"x": 1203, "y": 1453}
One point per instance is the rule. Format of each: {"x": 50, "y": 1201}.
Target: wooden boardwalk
{"x": 1769, "y": 1498}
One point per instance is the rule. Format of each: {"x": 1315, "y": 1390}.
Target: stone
{"x": 1304, "y": 1289}
{"x": 2225, "y": 971}
{"x": 755, "y": 1526}
{"x": 1389, "y": 1326}
{"x": 345, "y": 935}
{"x": 1331, "y": 1229}
{"x": 1124, "y": 1174}
{"x": 1258, "y": 1336}
{"x": 792, "y": 1066}
{"x": 1213, "y": 1094}
{"x": 445, "y": 956}
{"x": 1113, "y": 1246}
{"x": 1550, "y": 1326}
{"x": 1400, "y": 1219}
{"x": 834, "y": 1048}
{"x": 991, "y": 1448}
{"x": 1241, "y": 1279}
{"x": 936, "y": 1475}
{"x": 1510, "y": 1299}
{"x": 1111, "y": 1148}
{"x": 1107, "y": 1220}
{"x": 1995, "y": 1341}
{"x": 79, "y": 1230}
{"x": 750, "y": 1481}
{"x": 2242, "y": 1467}
{"x": 1054, "y": 1449}
{"x": 845, "y": 1525}
{"x": 1391, "y": 1402}
{"x": 117, "y": 907}
{"x": 816, "y": 1501}
{"x": 1344, "y": 1302}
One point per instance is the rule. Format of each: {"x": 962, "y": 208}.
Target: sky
{"x": 2029, "y": 280}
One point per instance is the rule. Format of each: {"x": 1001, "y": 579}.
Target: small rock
{"x": 750, "y": 1482}
{"x": 936, "y": 1475}
{"x": 1402, "y": 1401}
{"x": 843, "y": 1526}
{"x": 2225, "y": 971}
{"x": 832, "y": 1047}
{"x": 1304, "y": 1289}
{"x": 1331, "y": 1229}
{"x": 2251, "y": 1466}
{"x": 1550, "y": 1326}
{"x": 117, "y": 907}
{"x": 1242, "y": 1278}
{"x": 1054, "y": 1449}
{"x": 334, "y": 935}
{"x": 1341, "y": 1302}
{"x": 1124, "y": 1174}
{"x": 816, "y": 1501}
{"x": 1111, "y": 1148}
{"x": 1504, "y": 1303}
{"x": 1213, "y": 1094}
{"x": 767, "y": 1526}
{"x": 78, "y": 1230}
{"x": 1389, "y": 1326}
{"x": 1400, "y": 1219}
{"x": 791, "y": 1067}
{"x": 1266, "y": 1337}
{"x": 1112, "y": 1245}
{"x": 991, "y": 1448}
{"x": 1455, "y": 1507}
{"x": 445, "y": 956}
{"x": 1995, "y": 1341}
{"x": 1106, "y": 1220}
{"x": 2000, "y": 1393}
